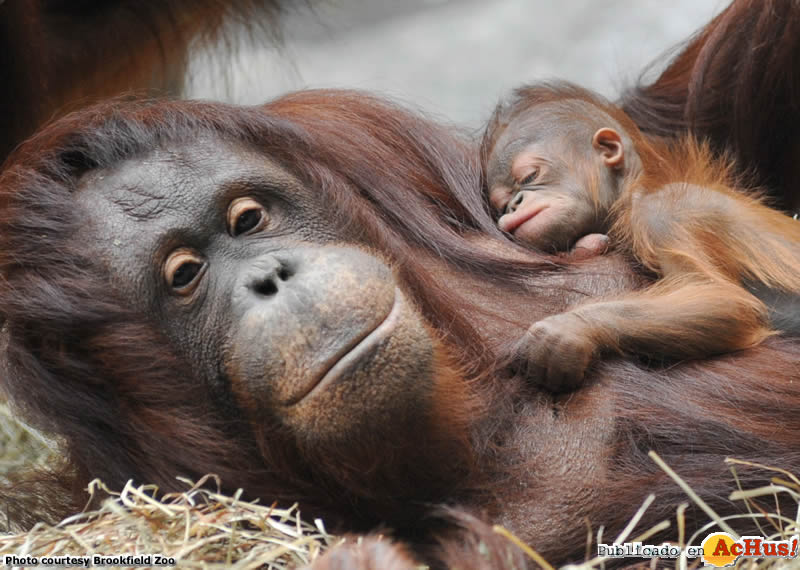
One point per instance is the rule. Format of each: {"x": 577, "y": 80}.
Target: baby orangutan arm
{"x": 702, "y": 242}
{"x": 676, "y": 318}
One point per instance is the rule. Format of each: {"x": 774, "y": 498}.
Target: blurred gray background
{"x": 455, "y": 58}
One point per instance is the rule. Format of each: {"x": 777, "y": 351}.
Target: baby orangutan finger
{"x": 555, "y": 353}
{"x": 589, "y": 246}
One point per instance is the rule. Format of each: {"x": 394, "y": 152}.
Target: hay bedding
{"x": 202, "y": 528}
{"x": 198, "y": 528}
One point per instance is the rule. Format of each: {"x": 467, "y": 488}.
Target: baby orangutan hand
{"x": 555, "y": 352}
{"x": 590, "y": 245}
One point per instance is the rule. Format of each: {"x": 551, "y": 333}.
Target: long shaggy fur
{"x": 85, "y": 366}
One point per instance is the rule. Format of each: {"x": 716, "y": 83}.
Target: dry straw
{"x": 199, "y": 528}
{"x": 203, "y": 528}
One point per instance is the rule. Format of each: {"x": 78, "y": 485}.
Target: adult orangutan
{"x": 58, "y": 55}
{"x": 302, "y": 298}
{"x": 147, "y": 249}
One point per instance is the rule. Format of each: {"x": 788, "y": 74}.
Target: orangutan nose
{"x": 515, "y": 202}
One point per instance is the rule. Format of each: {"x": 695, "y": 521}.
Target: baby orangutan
{"x": 562, "y": 163}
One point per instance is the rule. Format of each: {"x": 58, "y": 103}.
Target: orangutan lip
{"x": 354, "y": 351}
{"x": 511, "y": 228}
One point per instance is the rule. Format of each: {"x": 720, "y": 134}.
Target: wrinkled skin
{"x": 539, "y": 191}
{"x": 300, "y": 324}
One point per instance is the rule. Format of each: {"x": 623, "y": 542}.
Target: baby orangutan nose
{"x": 515, "y": 202}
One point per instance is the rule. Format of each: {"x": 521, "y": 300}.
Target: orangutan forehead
{"x": 569, "y": 120}
{"x": 173, "y": 180}
{"x": 145, "y": 188}
{"x": 557, "y": 118}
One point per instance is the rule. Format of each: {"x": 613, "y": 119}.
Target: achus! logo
{"x": 721, "y": 549}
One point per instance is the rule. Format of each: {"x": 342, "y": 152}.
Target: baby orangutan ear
{"x": 609, "y": 143}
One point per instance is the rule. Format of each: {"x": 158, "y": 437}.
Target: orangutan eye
{"x": 183, "y": 270}
{"x": 530, "y": 178}
{"x": 246, "y": 216}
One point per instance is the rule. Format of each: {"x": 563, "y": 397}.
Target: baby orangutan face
{"x": 548, "y": 184}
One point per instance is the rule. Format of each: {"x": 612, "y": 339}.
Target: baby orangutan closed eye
{"x": 563, "y": 164}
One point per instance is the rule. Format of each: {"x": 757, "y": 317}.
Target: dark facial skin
{"x": 235, "y": 259}
{"x": 542, "y": 196}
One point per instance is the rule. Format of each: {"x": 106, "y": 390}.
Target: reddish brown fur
{"x": 59, "y": 55}
{"x": 746, "y": 241}
{"x": 547, "y": 464}
{"x": 736, "y": 84}
{"x": 83, "y": 365}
